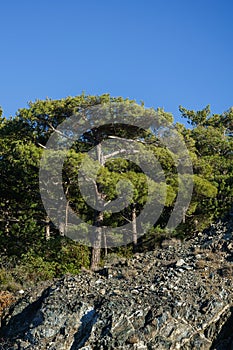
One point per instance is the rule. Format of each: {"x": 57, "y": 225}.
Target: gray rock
{"x": 177, "y": 297}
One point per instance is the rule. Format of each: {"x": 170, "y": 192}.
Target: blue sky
{"x": 164, "y": 52}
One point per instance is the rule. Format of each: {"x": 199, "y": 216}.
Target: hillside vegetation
{"x": 34, "y": 249}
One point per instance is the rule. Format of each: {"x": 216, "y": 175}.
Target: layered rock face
{"x": 177, "y": 297}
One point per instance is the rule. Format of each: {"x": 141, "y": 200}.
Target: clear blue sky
{"x": 164, "y": 52}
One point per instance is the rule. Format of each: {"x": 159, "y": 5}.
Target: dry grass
{"x": 6, "y": 299}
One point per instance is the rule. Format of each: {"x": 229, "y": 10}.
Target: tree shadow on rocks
{"x": 87, "y": 322}
{"x": 28, "y": 318}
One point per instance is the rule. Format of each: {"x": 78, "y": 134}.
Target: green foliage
{"x": 23, "y": 220}
{"x": 36, "y": 268}
{"x": 48, "y": 260}
{"x": 8, "y": 281}
{"x": 67, "y": 254}
{"x": 195, "y": 118}
{"x": 203, "y": 187}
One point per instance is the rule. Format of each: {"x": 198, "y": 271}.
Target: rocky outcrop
{"x": 177, "y": 297}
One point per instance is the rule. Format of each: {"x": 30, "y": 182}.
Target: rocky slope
{"x": 176, "y": 297}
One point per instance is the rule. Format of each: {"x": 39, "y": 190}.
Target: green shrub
{"x": 36, "y": 268}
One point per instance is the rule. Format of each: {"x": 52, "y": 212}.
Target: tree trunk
{"x": 96, "y": 248}
{"x": 67, "y": 216}
{"x": 66, "y": 211}
{"x": 47, "y": 228}
{"x": 105, "y": 244}
{"x": 183, "y": 216}
{"x": 61, "y": 228}
{"x": 7, "y": 224}
{"x": 134, "y": 228}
